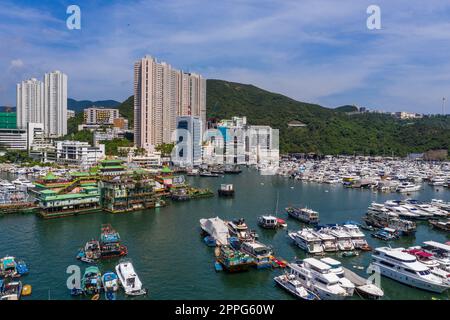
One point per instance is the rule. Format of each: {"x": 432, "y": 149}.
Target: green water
{"x": 168, "y": 252}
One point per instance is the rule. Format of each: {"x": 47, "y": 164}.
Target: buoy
{"x": 26, "y": 290}
{"x": 96, "y": 297}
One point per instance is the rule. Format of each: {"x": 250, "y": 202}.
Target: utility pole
{"x": 443, "y": 106}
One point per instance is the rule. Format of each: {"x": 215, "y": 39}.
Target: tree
{"x": 165, "y": 149}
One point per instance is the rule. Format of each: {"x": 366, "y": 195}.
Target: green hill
{"x": 346, "y": 108}
{"x": 328, "y": 131}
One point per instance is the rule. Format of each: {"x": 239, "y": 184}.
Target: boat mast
{"x": 276, "y": 207}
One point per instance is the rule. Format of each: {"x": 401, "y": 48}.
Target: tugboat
{"x": 91, "y": 283}
{"x": 226, "y": 190}
{"x": 110, "y": 246}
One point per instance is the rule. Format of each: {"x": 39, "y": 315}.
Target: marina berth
{"x": 307, "y": 240}
{"x": 405, "y": 268}
{"x": 317, "y": 277}
{"x": 303, "y": 214}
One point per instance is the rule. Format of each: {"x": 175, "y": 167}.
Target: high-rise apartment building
{"x": 30, "y": 102}
{"x": 189, "y": 141}
{"x": 161, "y": 93}
{"x": 55, "y": 104}
{"x": 96, "y": 115}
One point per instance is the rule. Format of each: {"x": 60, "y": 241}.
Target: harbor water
{"x": 170, "y": 256}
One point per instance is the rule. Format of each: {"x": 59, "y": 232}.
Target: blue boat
{"x": 386, "y": 234}
{"x": 21, "y": 267}
{"x": 210, "y": 241}
{"x": 110, "y": 285}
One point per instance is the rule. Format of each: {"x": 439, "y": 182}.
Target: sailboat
{"x": 272, "y": 221}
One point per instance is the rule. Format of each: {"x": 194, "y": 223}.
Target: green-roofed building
{"x": 8, "y": 120}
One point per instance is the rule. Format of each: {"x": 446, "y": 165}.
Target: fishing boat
{"x": 11, "y": 290}
{"x": 295, "y": 287}
{"x": 270, "y": 221}
{"x": 226, "y": 190}
{"x": 305, "y": 215}
{"x": 90, "y": 252}
{"x": 238, "y": 228}
{"x": 110, "y": 285}
{"x": 386, "y": 234}
{"x": 8, "y": 267}
{"x": 259, "y": 252}
{"x": 233, "y": 260}
{"x": 91, "y": 282}
{"x": 110, "y": 246}
{"x": 129, "y": 279}
{"x": 210, "y": 241}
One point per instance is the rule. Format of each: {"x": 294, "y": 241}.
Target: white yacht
{"x": 329, "y": 243}
{"x": 336, "y": 268}
{"x": 317, "y": 277}
{"x": 23, "y": 182}
{"x": 307, "y": 240}
{"x": 406, "y": 187}
{"x": 357, "y": 236}
{"x": 432, "y": 210}
{"x": 437, "y": 181}
{"x": 295, "y": 287}
{"x": 129, "y": 279}
{"x": 404, "y": 267}
{"x": 344, "y": 240}
{"x": 418, "y": 212}
{"x": 440, "y": 252}
{"x": 441, "y": 204}
{"x": 405, "y": 213}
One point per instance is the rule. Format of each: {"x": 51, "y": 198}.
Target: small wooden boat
{"x": 96, "y": 297}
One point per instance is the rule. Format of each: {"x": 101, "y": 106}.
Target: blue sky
{"x": 316, "y": 51}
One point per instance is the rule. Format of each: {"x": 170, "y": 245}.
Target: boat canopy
{"x": 217, "y": 228}
{"x": 438, "y": 245}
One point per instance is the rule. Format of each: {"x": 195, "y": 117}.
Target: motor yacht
{"x": 307, "y": 240}
{"x": 405, "y": 268}
{"x": 317, "y": 277}
{"x": 343, "y": 239}
{"x": 336, "y": 268}
{"x": 303, "y": 214}
{"x": 295, "y": 287}
{"x": 406, "y": 187}
{"x": 329, "y": 243}
{"x": 357, "y": 236}
{"x": 129, "y": 279}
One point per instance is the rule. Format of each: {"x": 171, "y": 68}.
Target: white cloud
{"x": 16, "y": 63}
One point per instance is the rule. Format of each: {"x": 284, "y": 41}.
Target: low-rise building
{"x": 78, "y": 153}
{"x": 99, "y": 115}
